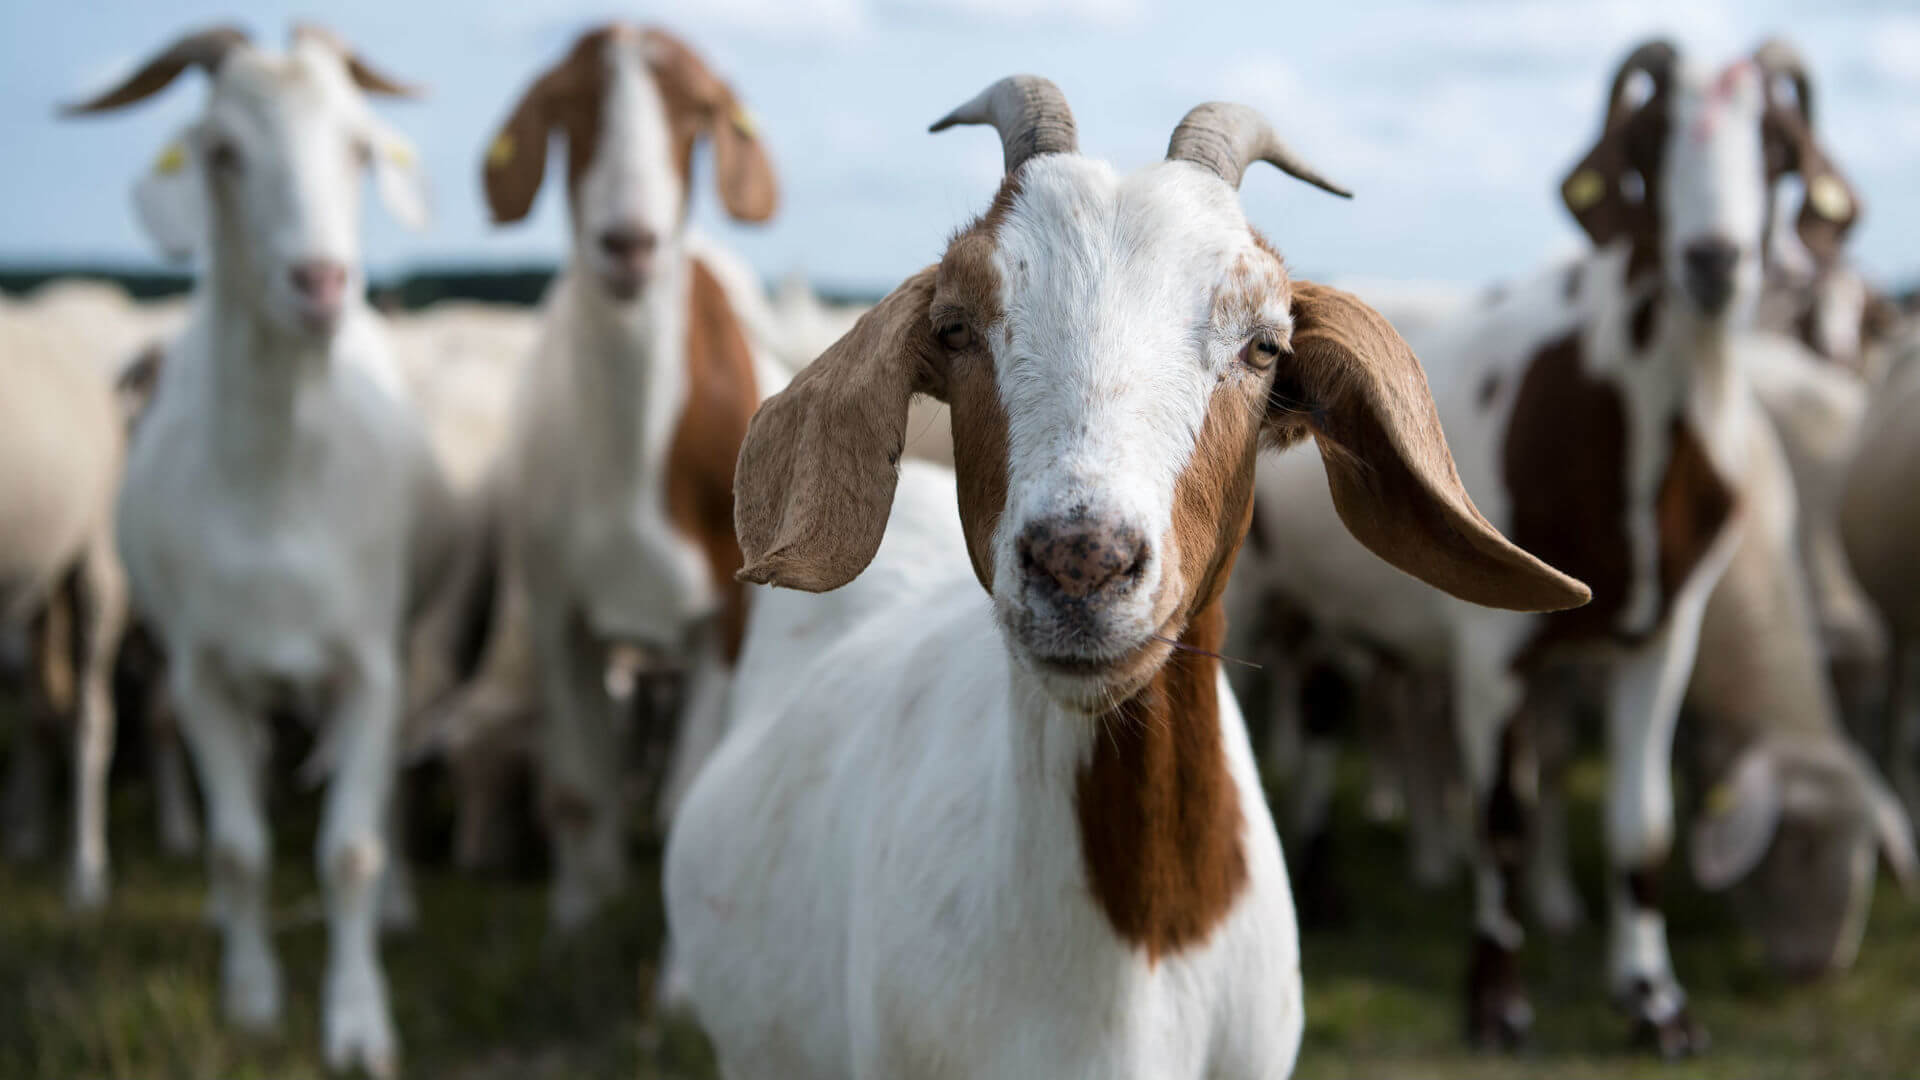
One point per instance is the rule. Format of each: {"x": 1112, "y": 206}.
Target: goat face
{"x": 1687, "y": 176}
{"x": 631, "y": 104}
{"x": 1113, "y": 349}
{"x": 269, "y": 174}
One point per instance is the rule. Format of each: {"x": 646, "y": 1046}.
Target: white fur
{"x": 275, "y": 499}
{"x": 894, "y": 890}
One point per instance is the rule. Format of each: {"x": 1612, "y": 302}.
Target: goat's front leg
{"x": 352, "y": 859}
{"x": 1644, "y": 704}
{"x": 228, "y": 747}
{"x": 1494, "y": 740}
{"x": 99, "y": 595}
{"x": 178, "y": 822}
{"x": 581, "y": 754}
{"x": 703, "y": 724}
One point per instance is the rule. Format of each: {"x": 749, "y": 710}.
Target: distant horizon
{"x": 1452, "y": 122}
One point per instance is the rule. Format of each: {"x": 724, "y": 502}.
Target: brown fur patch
{"x": 1564, "y": 462}
{"x": 1694, "y": 506}
{"x": 721, "y": 398}
{"x": 1159, "y": 815}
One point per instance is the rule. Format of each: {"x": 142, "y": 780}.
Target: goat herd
{"x": 912, "y": 830}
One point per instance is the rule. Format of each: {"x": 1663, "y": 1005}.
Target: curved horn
{"x": 1227, "y": 138}
{"x": 1777, "y": 58}
{"x": 204, "y": 49}
{"x": 1030, "y": 113}
{"x": 1657, "y": 58}
{"x": 364, "y": 77}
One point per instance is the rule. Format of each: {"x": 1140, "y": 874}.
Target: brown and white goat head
{"x": 269, "y": 174}
{"x": 1115, "y": 348}
{"x": 1687, "y": 175}
{"x": 631, "y": 103}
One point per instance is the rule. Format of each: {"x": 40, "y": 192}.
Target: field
{"x": 480, "y": 992}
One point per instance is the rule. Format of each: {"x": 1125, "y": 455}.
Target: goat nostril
{"x": 319, "y": 280}
{"x": 1079, "y": 560}
{"x": 628, "y": 242}
{"x": 1715, "y": 257}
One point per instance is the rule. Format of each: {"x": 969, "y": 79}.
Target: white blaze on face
{"x": 1715, "y": 185}
{"x": 1109, "y": 355}
{"x": 630, "y": 182}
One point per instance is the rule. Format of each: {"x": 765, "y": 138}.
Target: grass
{"x": 480, "y": 992}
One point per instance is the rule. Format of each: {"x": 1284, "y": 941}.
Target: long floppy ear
{"x": 397, "y": 178}
{"x": 1595, "y": 192}
{"x": 170, "y": 200}
{"x": 1830, "y": 207}
{"x": 1736, "y": 826}
{"x": 742, "y": 173}
{"x": 1357, "y": 388}
{"x": 817, "y": 469}
{"x": 516, "y": 159}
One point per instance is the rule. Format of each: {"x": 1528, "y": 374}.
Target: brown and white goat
{"x": 1600, "y": 414}
{"x": 617, "y": 496}
{"x": 1021, "y": 834}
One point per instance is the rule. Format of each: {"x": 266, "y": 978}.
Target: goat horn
{"x": 1657, "y": 58}
{"x": 364, "y": 77}
{"x": 204, "y": 49}
{"x": 1777, "y": 58}
{"x": 1030, "y": 113}
{"x": 1227, "y": 138}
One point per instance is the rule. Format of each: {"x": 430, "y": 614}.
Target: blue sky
{"x": 1451, "y": 120}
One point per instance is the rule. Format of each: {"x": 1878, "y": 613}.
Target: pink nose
{"x": 1080, "y": 557}
{"x": 321, "y": 283}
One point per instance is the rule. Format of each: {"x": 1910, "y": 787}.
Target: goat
{"x": 617, "y": 502}
{"x": 1878, "y": 513}
{"x": 281, "y": 511}
{"x": 1035, "y": 844}
{"x": 63, "y": 593}
{"x": 1600, "y": 413}
{"x": 1795, "y": 814}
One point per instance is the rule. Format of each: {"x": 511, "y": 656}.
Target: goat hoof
{"x": 1499, "y": 1015}
{"x": 252, "y": 998}
{"x": 87, "y": 889}
{"x": 359, "y": 1030}
{"x": 1661, "y": 1021}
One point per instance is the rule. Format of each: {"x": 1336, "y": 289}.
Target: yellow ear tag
{"x": 743, "y": 123}
{"x": 1829, "y": 198}
{"x": 1585, "y": 188}
{"x": 501, "y": 151}
{"x": 171, "y": 160}
{"x": 1720, "y": 799}
{"x": 400, "y": 155}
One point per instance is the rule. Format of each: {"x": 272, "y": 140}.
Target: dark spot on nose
{"x": 1078, "y": 556}
{"x": 1710, "y": 264}
{"x": 628, "y": 243}
{"x": 319, "y": 281}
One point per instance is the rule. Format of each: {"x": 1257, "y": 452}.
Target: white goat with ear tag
{"x": 282, "y": 514}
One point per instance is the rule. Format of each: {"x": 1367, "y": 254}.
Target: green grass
{"x": 479, "y": 991}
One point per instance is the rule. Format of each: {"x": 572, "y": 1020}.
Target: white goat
{"x": 1600, "y": 414}
{"x": 280, "y": 505}
{"x": 63, "y": 594}
{"x": 617, "y": 497}
{"x": 1022, "y": 835}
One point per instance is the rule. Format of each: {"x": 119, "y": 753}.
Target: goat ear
{"x": 1830, "y": 206}
{"x": 516, "y": 159}
{"x": 1356, "y": 387}
{"x": 817, "y": 469}
{"x": 1737, "y": 824}
{"x": 170, "y": 199}
{"x": 742, "y": 174}
{"x": 1894, "y": 829}
{"x": 398, "y": 179}
{"x": 741, "y": 169}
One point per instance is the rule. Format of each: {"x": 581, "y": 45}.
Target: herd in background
{"x": 499, "y": 541}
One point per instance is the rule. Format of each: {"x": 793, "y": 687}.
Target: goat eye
{"x": 362, "y": 153}
{"x": 955, "y": 335}
{"x": 224, "y": 156}
{"x": 1260, "y": 352}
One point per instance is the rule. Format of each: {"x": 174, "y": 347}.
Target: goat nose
{"x": 628, "y": 242}
{"x": 1710, "y": 265}
{"x": 1079, "y": 556}
{"x": 319, "y": 281}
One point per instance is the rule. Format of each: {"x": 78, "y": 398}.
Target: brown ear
{"x": 516, "y": 159}
{"x": 742, "y": 173}
{"x": 1630, "y": 138}
{"x": 1830, "y": 206}
{"x": 817, "y": 469}
{"x": 1357, "y": 388}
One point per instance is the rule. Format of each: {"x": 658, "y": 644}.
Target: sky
{"x": 1452, "y": 120}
